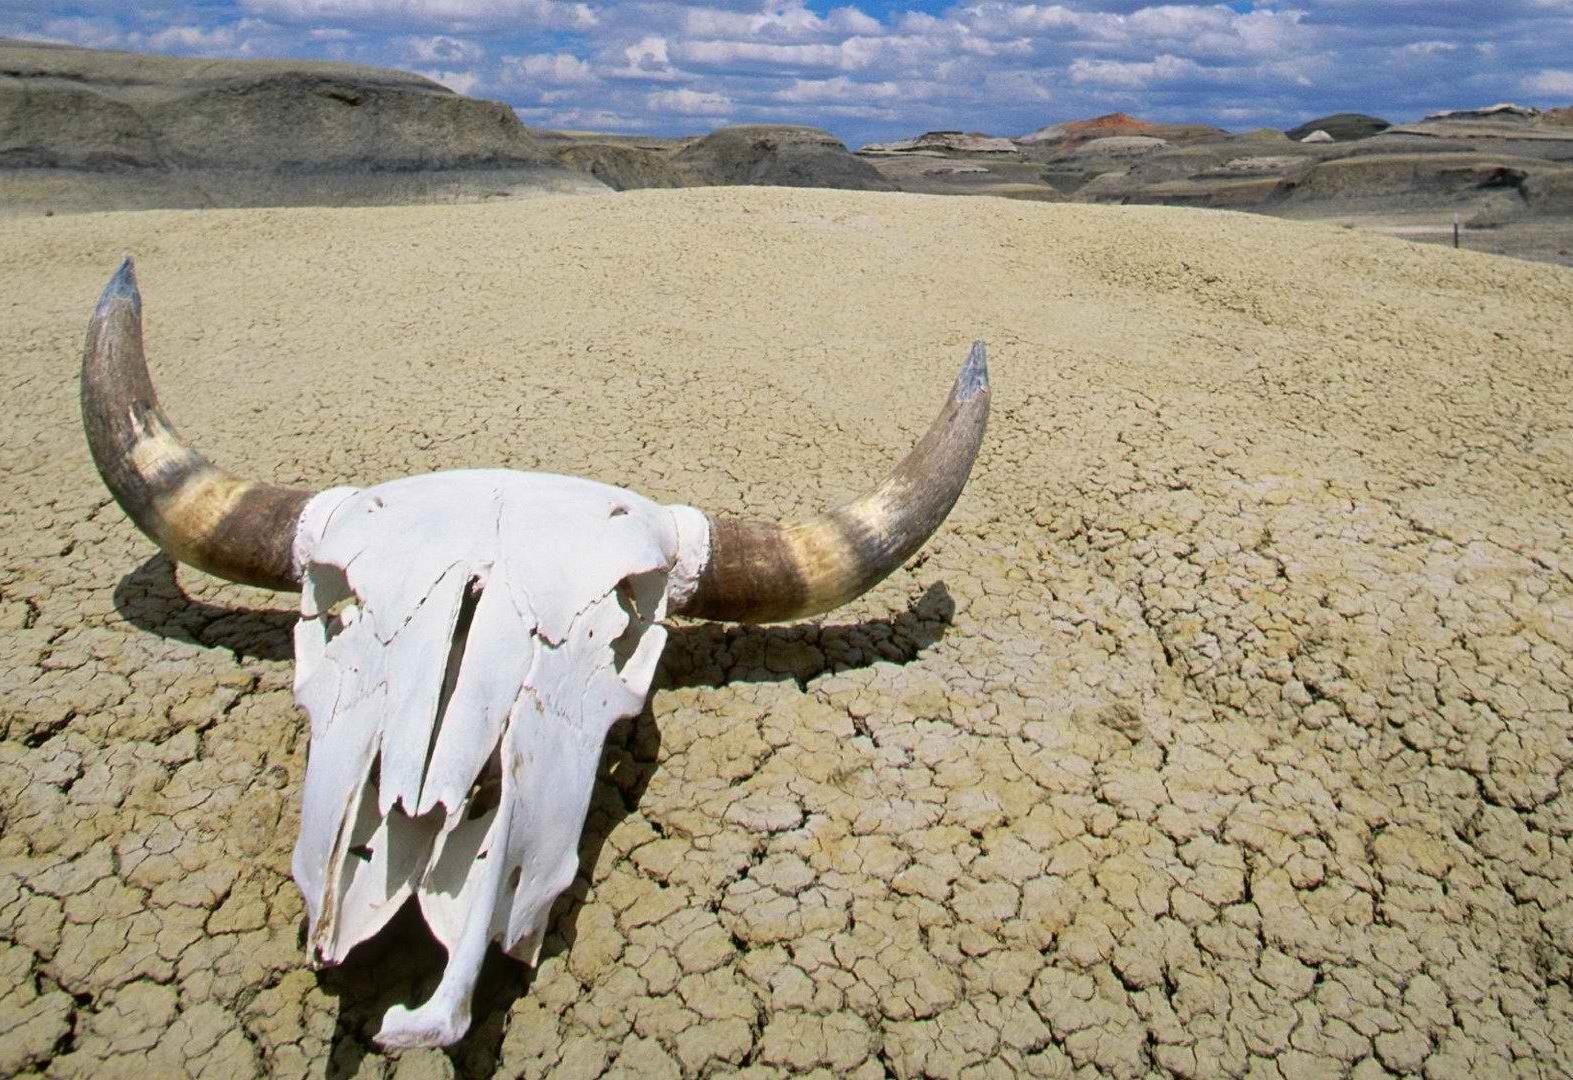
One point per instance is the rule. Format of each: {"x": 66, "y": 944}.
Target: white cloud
{"x": 877, "y": 74}
{"x": 240, "y": 38}
{"x": 441, "y": 49}
{"x": 460, "y": 82}
{"x": 648, "y": 51}
{"x": 858, "y": 112}
{"x": 690, "y": 102}
{"x": 1427, "y": 48}
{"x": 1550, "y": 82}
{"x": 442, "y": 12}
{"x": 1017, "y": 86}
{"x": 853, "y": 20}
{"x": 738, "y": 53}
{"x": 93, "y": 33}
{"x": 994, "y": 17}
{"x": 842, "y": 90}
{"x": 646, "y": 60}
{"x": 789, "y": 22}
{"x": 1133, "y": 76}
{"x": 195, "y": 39}
{"x": 549, "y": 68}
{"x": 582, "y": 119}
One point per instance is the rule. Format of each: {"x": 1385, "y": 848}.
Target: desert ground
{"x": 1222, "y": 730}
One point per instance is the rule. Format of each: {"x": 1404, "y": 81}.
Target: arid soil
{"x": 1222, "y": 730}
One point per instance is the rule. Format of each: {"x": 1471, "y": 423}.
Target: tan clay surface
{"x": 1223, "y": 730}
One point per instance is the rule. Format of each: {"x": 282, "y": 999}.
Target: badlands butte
{"x": 83, "y": 129}
{"x": 1222, "y": 730}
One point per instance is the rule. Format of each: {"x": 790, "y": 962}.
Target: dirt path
{"x": 1222, "y": 728}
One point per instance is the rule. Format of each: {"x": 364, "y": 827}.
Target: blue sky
{"x": 880, "y": 69}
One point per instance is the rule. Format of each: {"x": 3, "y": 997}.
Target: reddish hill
{"x": 1073, "y": 133}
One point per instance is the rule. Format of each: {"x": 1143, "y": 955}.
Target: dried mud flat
{"x": 1221, "y": 731}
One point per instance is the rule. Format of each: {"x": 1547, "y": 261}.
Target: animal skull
{"x": 467, "y": 639}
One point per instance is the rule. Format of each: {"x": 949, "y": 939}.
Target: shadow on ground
{"x": 151, "y": 598}
{"x": 403, "y": 963}
{"x": 697, "y": 654}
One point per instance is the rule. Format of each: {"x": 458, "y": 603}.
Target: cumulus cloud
{"x": 242, "y": 37}
{"x": 550, "y": 68}
{"x": 441, "y": 49}
{"x": 689, "y": 102}
{"x": 460, "y": 82}
{"x": 878, "y": 71}
{"x": 1550, "y": 82}
{"x": 646, "y": 60}
{"x": 1133, "y": 76}
{"x": 841, "y": 90}
{"x": 194, "y": 38}
{"x": 1427, "y": 48}
{"x": 734, "y": 54}
{"x": 789, "y": 22}
{"x": 452, "y": 13}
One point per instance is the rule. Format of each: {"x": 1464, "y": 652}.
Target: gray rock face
{"x": 1340, "y": 127}
{"x": 1502, "y": 110}
{"x": 1120, "y": 146}
{"x": 620, "y": 167}
{"x": 778, "y": 155}
{"x": 109, "y": 112}
{"x": 952, "y": 142}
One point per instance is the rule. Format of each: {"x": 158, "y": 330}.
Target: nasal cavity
{"x": 456, "y": 645}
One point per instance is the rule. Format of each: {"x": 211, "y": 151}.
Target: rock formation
{"x": 1073, "y": 132}
{"x": 1339, "y": 127}
{"x": 776, "y": 154}
{"x": 620, "y": 166}
{"x": 945, "y": 142}
{"x": 243, "y": 132}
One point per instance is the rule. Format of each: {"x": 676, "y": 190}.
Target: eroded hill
{"x": 89, "y": 129}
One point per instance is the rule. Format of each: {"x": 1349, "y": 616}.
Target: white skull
{"x": 466, "y": 640}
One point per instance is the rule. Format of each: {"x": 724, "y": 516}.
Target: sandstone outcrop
{"x": 945, "y": 142}
{"x": 779, "y": 155}
{"x": 1339, "y": 127}
{"x": 620, "y": 166}
{"x": 229, "y": 131}
{"x": 1069, "y": 134}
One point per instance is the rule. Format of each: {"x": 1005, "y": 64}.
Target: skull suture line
{"x": 467, "y": 638}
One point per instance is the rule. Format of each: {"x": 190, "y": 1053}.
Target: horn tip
{"x": 121, "y": 288}
{"x": 974, "y": 377}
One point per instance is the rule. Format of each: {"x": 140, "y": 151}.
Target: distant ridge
{"x": 247, "y": 132}
{"x": 1072, "y": 132}
{"x": 1341, "y": 127}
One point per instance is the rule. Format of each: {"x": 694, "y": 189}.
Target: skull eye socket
{"x": 486, "y": 792}
{"x": 639, "y": 595}
{"x": 340, "y": 617}
{"x": 330, "y": 596}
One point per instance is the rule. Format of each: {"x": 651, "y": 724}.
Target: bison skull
{"x": 467, "y": 638}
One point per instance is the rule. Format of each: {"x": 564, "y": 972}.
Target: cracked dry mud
{"x": 1222, "y": 730}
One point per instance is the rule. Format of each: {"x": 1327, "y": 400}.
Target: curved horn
{"x": 767, "y": 572}
{"x": 195, "y": 511}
